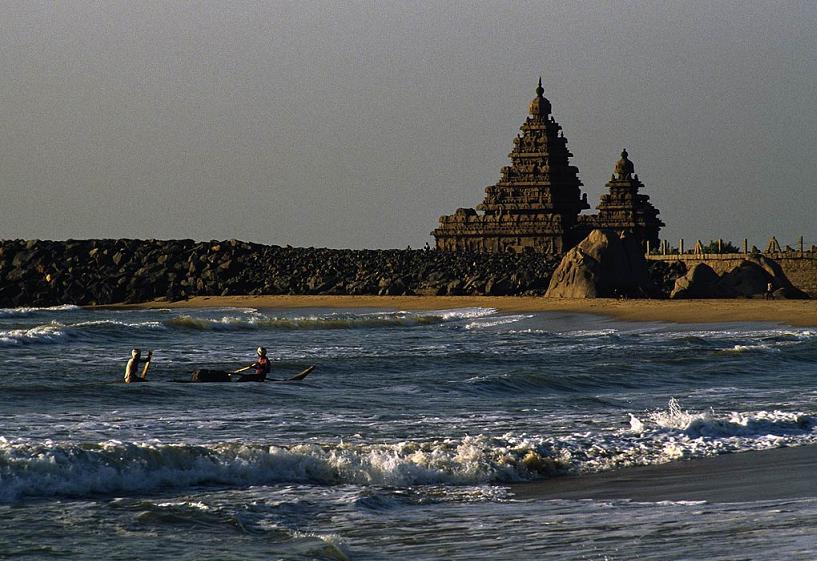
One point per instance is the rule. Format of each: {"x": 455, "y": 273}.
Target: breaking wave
{"x": 257, "y": 321}
{"x": 241, "y": 320}
{"x": 29, "y": 311}
{"x": 58, "y": 332}
{"x": 50, "y": 333}
{"x": 45, "y": 468}
{"x": 49, "y": 469}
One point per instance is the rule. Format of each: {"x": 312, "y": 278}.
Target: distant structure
{"x": 623, "y": 208}
{"x": 535, "y": 205}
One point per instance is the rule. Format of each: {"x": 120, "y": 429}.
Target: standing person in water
{"x": 132, "y": 369}
{"x": 262, "y": 367}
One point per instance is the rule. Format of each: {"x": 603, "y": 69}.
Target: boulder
{"x": 750, "y": 279}
{"x": 744, "y": 281}
{"x": 789, "y": 293}
{"x": 603, "y": 265}
{"x": 699, "y": 282}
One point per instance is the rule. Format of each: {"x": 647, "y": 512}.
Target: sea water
{"x": 403, "y": 443}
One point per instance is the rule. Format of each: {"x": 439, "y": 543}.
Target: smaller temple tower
{"x": 623, "y": 208}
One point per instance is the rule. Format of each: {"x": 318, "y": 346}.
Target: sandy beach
{"x": 801, "y": 313}
{"x": 782, "y": 473}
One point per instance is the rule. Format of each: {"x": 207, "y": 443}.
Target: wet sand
{"x": 782, "y": 473}
{"x": 790, "y": 312}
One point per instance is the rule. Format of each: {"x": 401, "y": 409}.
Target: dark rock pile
{"x": 45, "y": 273}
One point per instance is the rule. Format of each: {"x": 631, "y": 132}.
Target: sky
{"x": 358, "y": 124}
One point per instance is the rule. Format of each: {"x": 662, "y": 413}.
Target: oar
{"x": 300, "y": 375}
{"x": 242, "y": 369}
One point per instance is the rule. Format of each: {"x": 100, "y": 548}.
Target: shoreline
{"x": 798, "y": 313}
{"x": 776, "y": 474}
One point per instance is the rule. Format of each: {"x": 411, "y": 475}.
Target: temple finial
{"x": 624, "y": 167}
{"x": 540, "y": 90}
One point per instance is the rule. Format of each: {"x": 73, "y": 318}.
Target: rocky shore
{"x": 88, "y": 272}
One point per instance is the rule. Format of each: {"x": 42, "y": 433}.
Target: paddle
{"x": 242, "y": 369}
{"x": 300, "y": 375}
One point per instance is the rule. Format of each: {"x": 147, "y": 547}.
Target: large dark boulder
{"x": 752, "y": 278}
{"x": 701, "y": 281}
{"x": 744, "y": 281}
{"x": 603, "y": 265}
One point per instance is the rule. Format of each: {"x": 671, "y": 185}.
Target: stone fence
{"x": 772, "y": 248}
{"x": 799, "y": 265}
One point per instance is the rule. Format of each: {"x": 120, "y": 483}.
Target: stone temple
{"x": 536, "y": 204}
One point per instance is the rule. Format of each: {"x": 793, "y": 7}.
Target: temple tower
{"x": 535, "y": 204}
{"x": 623, "y": 208}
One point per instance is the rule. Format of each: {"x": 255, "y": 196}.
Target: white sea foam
{"x": 196, "y": 505}
{"x": 119, "y": 324}
{"x": 27, "y": 311}
{"x": 49, "y": 333}
{"x": 462, "y": 313}
{"x": 590, "y": 333}
{"x": 232, "y": 323}
{"x": 253, "y": 320}
{"x": 748, "y": 348}
{"x": 58, "y": 332}
{"x": 495, "y": 321}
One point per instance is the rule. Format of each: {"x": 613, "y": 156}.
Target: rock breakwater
{"x": 87, "y": 272}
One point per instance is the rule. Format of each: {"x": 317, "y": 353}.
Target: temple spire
{"x": 536, "y": 202}
{"x": 624, "y": 167}
{"x": 623, "y": 208}
{"x": 539, "y": 106}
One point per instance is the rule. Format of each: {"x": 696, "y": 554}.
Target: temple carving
{"x": 536, "y": 204}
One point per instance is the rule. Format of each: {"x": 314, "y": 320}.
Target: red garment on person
{"x": 262, "y": 367}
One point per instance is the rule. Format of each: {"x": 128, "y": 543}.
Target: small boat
{"x": 220, "y": 376}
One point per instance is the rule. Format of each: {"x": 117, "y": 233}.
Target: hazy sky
{"x": 359, "y": 124}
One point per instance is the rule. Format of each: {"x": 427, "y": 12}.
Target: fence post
{"x": 681, "y": 247}
{"x": 746, "y": 246}
{"x": 720, "y": 245}
{"x": 801, "y": 244}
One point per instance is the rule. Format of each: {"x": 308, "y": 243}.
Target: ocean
{"x": 406, "y": 442}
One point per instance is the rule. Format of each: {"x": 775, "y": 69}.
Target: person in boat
{"x": 132, "y": 369}
{"x": 262, "y": 367}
